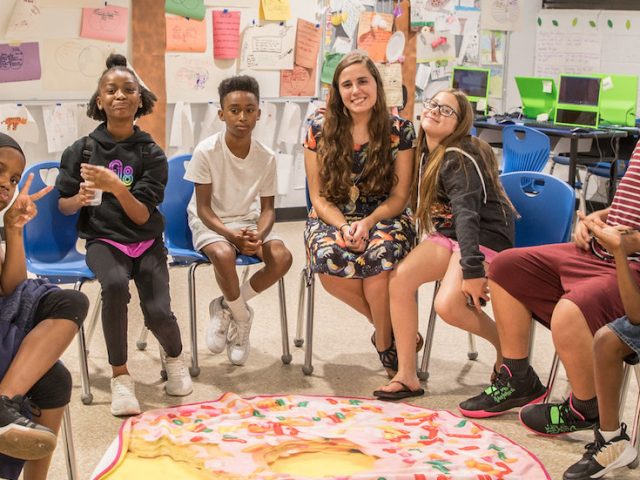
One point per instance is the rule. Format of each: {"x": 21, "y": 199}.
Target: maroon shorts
{"x": 540, "y": 276}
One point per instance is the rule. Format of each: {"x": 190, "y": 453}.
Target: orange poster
{"x": 299, "y": 82}
{"x": 226, "y": 33}
{"x": 185, "y": 35}
{"x": 374, "y": 32}
{"x": 308, "y": 38}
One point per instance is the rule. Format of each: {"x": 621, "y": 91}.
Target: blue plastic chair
{"x": 524, "y": 149}
{"x": 50, "y": 248}
{"x": 177, "y": 236}
{"x": 546, "y": 216}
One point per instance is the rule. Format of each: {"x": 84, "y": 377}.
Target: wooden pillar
{"x": 148, "y": 47}
{"x": 403, "y": 24}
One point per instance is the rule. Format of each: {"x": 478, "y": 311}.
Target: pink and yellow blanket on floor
{"x": 303, "y": 437}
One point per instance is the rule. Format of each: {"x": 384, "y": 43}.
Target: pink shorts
{"x": 453, "y": 246}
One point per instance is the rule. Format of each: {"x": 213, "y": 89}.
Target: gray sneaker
{"x": 238, "y": 340}
{"x": 219, "y": 320}
{"x": 20, "y": 437}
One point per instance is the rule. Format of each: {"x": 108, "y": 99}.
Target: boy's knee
{"x": 607, "y": 344}
{"x": 221, "y": 253}
{"x": 283, "y": 259}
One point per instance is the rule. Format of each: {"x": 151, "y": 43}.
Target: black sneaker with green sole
{"x": 555, "y": 418}
{"x": 506, "y": 392}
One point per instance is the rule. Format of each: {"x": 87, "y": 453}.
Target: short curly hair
{"x": 239, "y": 83}
{"x": 115, "y": 61}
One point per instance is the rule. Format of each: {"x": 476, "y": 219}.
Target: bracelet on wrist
{"x": 342, "y": 226}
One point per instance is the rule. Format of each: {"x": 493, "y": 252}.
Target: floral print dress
{"x": 389, "y": 240}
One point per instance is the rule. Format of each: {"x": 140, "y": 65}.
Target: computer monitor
{"x": 618, "y": 100}
{"x": 474, "y": 82}
{"x": 578, "y": 100}
{"x": 538, "y": 95}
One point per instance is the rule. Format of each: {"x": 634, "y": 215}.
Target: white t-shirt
{"x": 236, "y": 183}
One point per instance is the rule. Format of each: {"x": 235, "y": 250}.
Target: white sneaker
{"x": 219, "y": 320}
{"x": 178, "y": 378}
{"x": 123, "y": 396}
{"x": 238, "y": 340}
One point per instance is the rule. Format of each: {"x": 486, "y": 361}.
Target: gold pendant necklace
{"x": 354, "y": 193}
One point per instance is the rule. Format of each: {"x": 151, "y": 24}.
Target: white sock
{"x": 609, "y": 435}
{"x": 238, "y": 309}
{"x": 247, "y": 292}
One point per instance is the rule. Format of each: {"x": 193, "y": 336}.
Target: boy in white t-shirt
{"x": 232, "y": 211}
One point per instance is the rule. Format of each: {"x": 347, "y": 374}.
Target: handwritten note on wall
{"x": 61, "y": 126}
{"x": 268, "y": 47}
{"x": 275, "y": 9}
{"x": 308, "y": 38}
{"x": 226, "y": 34}
{"x": 25, "y": 14}
{"x": 392, "y": 80}
{"x": 19, "y": 63}
{"x": 109, "y": 23}
{"x": 185, "y": 35}
{"x": 299, "y": 82}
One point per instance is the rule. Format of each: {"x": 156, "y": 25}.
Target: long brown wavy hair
{"x": 335, "y": 146}
{"x": 424, "y": 197}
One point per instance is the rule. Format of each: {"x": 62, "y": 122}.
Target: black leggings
{"x": 150, "y": 273}
{"x": 53, "y": 390}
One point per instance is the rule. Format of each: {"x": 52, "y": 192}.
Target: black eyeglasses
{"x": 444, "y": 110}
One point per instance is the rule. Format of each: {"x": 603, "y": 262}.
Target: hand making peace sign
{"x": 24, "y": 207}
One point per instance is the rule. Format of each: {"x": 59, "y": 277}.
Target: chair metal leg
{"x": 472, "y": 354}
{"x": 635, "y": 430}
{"x": 555, "y": 364}
{"x": 86, "y": 396}
{"x": 307, "y": 368}
{"x": 93, "y": 320}
{"x": 423, "y": 371}
{"x": 141, "y": 343}
{"x": 69, "y": 450}
{"x": 626, "y": 376}
{"x": 298, "y": 341}
{"x": 194, "y": 370}
{"x": 284, "y": 325}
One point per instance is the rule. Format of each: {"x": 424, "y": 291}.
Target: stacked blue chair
{"x": 50, "y": 248}
{"x": 177, "y": 236}
{"x": 544, "y": 216}
{"x": 524, "y": 149}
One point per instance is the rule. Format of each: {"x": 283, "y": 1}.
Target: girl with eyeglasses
{"x": 464, "y": 218}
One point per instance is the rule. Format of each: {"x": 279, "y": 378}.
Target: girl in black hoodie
{"x": 124, "y": 230}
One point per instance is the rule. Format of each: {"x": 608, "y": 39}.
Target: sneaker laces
{"x": 174, "y": 366}
{"x": 121, "y": 390}
{"x": 565, "y": 412}
{"x": 239, "y": 332}
{"x": 600, "y": 443}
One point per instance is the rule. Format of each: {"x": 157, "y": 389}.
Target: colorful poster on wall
{"x": 19, "y": 62}
{"x": 374, "y": 32}
{"x": 492, "y": 46}
{"x": 17, "y": 121}
{"x": 226, "y": 34}
{"x": 190, "y": 78}
{"x": 184, "y": 35}
{"x": 186, "y": 8}
{"x": 109, "y": 23}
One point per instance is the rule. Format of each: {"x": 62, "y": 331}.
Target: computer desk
{"x": 608, "y": 133}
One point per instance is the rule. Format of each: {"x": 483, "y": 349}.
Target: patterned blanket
{"x": 302, "y": 437}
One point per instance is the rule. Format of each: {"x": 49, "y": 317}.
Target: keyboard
{"x": 553, "y": 126}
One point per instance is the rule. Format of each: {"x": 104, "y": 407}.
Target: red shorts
{"x": 540, "y": 276}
